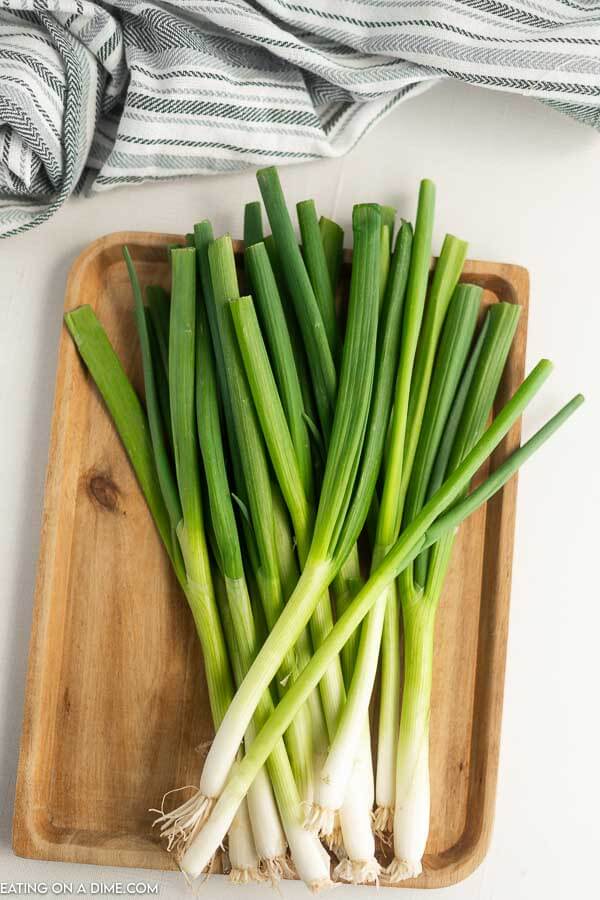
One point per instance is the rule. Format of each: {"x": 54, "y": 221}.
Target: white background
{"x": 522, "y": 184}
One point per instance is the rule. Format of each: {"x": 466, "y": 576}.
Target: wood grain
{"x": 116, "y": 711}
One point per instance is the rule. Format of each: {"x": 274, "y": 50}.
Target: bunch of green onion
{"x": 279, "y": 427}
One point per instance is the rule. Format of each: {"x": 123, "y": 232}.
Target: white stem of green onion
{"x": 389, "y": 716}
{"x": 360, "y": 866}
{"x": 243, "y": 857}
{"x": 412, "y": 805}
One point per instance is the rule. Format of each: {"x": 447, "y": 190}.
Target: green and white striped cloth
{"x": 98, "y": 94}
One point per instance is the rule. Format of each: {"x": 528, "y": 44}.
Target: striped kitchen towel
{"x": 98, "y": 94}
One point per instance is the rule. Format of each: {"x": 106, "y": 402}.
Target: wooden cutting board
{"x": 116, "y": 712}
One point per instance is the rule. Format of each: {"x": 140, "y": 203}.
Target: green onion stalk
{"x": 278, "y": 437}
{"x": 349, "y": 579}
{"x": 335, "y": 774}
{"x": 317, "y": 267}
{"x": 332, "y": 237}
{"x": 305, "y": 302}
{"x": 358, "y": 755}
{"x": 298, "y": 353}
{"x": 253, "y": 228}
{"x": 452, "y": 423}
{"x": 310, "y": 859}
{"x": 306, "y": 851}
{"x": 323, "y": 277}
{"x": 307, "y": 854}
{"x": 356, "y": 838}
{"x": 280, "y": 444}
{"x": 414, "y": 374}
{"x": 330, "y": 534}
{"x": 313, "y": 299}
{"x": 454, "y": 346}
{"x": 441, "y": 513}
{"x": 270, "y": 868}
{"x": 280, "y": 388}
{"x": 244, "y": 862}
{"x": 275, "y": 329}
{"x": 144, "y": 443}
{"x": 286, "y": 544}
{"x": 254, "y": 483}
{"x": 237, "y": 611}
{"x": 252, "y": 478}
{"x": 269, "y": 843}
{"x": 183, "y": 500}
{"x": 334, "y": 777}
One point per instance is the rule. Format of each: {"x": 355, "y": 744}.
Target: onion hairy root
{"x": 383, "y": 823}
{"x": 245, "y": 876}
{"x": 322, "y": 821}
{"x": 180, "y": 825}
{"x": 401, "y": 870}
{"x": 356, "y": 871}
{"x": 273, "y": 870}
{"x": 334, "y": 841}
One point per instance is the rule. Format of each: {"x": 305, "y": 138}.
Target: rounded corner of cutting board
{"x": 107, "y": 249}
{"x": 508, "y": 281}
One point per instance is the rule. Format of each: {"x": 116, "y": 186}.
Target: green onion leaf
{"x": 332, "y": 236}
{"x": 316, "y": 263}
{"x": 301, "y": 291}
{"x": 253, "y": 228}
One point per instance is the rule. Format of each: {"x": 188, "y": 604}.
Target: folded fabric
{"x": 98, "y": 94}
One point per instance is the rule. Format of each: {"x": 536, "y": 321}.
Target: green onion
{"x": 445, "y": 279}
{"x": 343, "y": 460}
{"x": 159, "y": 306}
{"x": 356, "y": 385}
{"x": 254, "y": 466}
{"x": 126, "y": 412}
{"x": 157, "y": 429}
{"x": 318, "y": 271}
{"x": 385, "y": 256}
{"x": 136, "y": 435}
{"x": 161, "y": 378}
{"x": 271, "y": 414}
{"x": 190, "y": 529}
{"x": 334, "y": 779}
{"x": 494, "y": 482}
{"x": 296, "y": 487}
{"x": 276, "y": 333}
{"x": 419, "y": 605}
{"x": 335, "y": 774}
{"x": 302, "y": 368}
{"x": 388, "y": 220}
{"x": 243, "y": 641}
{"x": 281, "y": 450}
{"x": 301, "y": 291}
{"x": 332, "y": 236}
{"x": 253, "y": 228}
{"x": 455, "y": 343}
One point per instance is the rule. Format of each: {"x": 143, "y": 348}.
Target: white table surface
{"x": 522, "y": 184}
